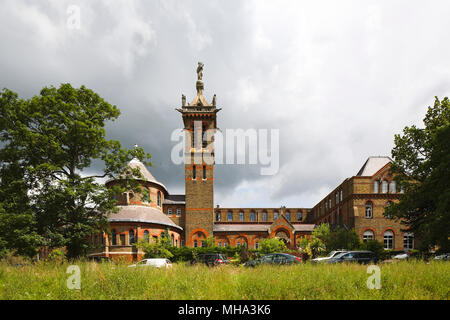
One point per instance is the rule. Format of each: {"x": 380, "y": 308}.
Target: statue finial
{"x": 200, "y": 71}
{"x": 183, "y": 100}
{"x": 214, "y": 100}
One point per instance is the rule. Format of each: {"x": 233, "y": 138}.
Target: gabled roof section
{"x": 373, "y": 165}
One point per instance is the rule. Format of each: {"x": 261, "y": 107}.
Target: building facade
{"x": 189, "y": 219}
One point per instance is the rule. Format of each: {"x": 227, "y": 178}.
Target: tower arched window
{"x": 388, "y": 239}
{"x": 252, "y": 216}
{"x": 241, "y": 216}
{"x": 131, "y": 237}
{"x": 369, "y": 210}
{"x": 230, "y": 216}
{"x": 393, "y": 187}
{"x": 173, "y": 240}
{"x": 113, "y": 237}
{"x": 147, "y": 236}
{"x": 159, "y": 199}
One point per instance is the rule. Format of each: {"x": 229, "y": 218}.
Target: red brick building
{"x": 358, "y": 202}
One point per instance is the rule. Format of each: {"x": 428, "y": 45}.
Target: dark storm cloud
{"x": 337, "y": 80}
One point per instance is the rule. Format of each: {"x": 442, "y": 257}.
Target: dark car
{"x": 363, "y": 257}
{"x": 274, "y": 258}
{"x": 211, "y": 259}
{"x": 99, "y": 259}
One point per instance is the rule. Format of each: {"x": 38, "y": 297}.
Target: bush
{"x": 272, "y": 245}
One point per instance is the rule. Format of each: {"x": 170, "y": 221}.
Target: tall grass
{"x": 402, "y": 280}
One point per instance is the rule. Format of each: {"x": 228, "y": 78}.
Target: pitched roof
{"x": 372, "y": 165}
{"x": 135, "y": 213}
{"x": 240, "y": 227}
{"x": 175, "y": 199}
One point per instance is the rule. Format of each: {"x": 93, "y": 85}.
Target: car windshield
{"x": 340, "y": 255}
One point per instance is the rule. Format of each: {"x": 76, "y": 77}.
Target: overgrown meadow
{"x": 402, "y": 280}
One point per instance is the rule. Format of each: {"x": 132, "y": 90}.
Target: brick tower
{"x": 199, "y": 118}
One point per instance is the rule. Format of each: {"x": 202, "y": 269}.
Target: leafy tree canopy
{"x": 45, "y": 144}
{"x": 422, "y": 168}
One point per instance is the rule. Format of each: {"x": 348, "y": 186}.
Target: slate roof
{"x": 135, "y": 213}
{"x": 372, "y": 165}
{"x": 175, "y": 199}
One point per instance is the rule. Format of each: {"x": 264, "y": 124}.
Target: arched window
{"x": 218, "y": 216}
{"x": 159, "y": 198}
{"x": 369, "y": 210}
{"x": 275, "y": 215}
{"x": 288, "y": 216}
{"x": 393, "y": 187}
{"x": 368, "y": 235}
{"x": 408, "y": 241}
{"x": 195, "y": 243}
{"x": 299, "y": 216}
{"x": 194, "y": 173}
{"x": 204, "y": 172}
{"x": 173, "y": 240}
{"x": 131, "y": 237}
{"x": 113, "y": 237}
{"x": 384, "y": 186}
{"x": 376, "y": 187}
{"x": 252, "y": 216}
{"x": 241, "y": 216}
{"x": 264, "y": 216}
{"x": 147, "y": 236}
{"x": 230, "y": 216}
{"x": 388, "y": 240}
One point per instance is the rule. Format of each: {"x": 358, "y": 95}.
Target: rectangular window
{"x": 169, "y": 211}
{"x": 178, "y": 212}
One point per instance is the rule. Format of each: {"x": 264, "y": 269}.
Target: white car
{"x": 401, "y": 256}
{"x": 331, "y": 255}
{"x": 156, "y": 262}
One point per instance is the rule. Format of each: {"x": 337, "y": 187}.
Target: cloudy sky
{"x": 337, "y": 78}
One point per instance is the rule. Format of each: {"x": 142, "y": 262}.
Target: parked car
{"x": 274, "y": 258}
{"x": 445, "y": 256}
{"x": 99, "y": 259}
{"x": 211, "y": 259}
{"x": 155, "y": 262}
{"x": 331, "y": 255}
{"x": 401, "y": 256}
{"x": 363, "y": 257}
